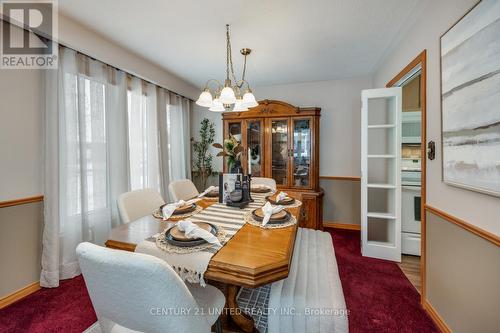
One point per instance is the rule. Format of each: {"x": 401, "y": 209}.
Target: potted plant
{"x": 202, "y": 157}
{"x": 232, "y": 150}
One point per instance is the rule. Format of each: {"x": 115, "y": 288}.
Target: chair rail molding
{"x": 495, "y": 239}
{"x": 352, "y": 178}
{"x": 21, "y": 201}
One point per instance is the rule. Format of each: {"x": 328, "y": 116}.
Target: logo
{"x": 28, "y": 39}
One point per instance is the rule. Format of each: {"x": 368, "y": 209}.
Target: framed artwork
{"x": 470, "y": 100}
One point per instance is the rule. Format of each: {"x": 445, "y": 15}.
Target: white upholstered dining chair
{"x": 135, "y": 204}
{"x": 183, "y": 189}
{"x": 134, "y": 292}
{"x": 271, "y": 183}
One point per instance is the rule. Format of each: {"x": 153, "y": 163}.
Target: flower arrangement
{"x": 232, "y": 150}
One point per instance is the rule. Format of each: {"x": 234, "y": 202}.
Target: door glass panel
{"x": 301, "y": 152}
{"x": 235, "y": 130}
{"x": 254, "y": 135}
{"x": 279, "y": 155}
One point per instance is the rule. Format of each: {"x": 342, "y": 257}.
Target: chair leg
{"x": 218, "y": 326}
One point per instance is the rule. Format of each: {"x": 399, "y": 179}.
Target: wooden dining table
{"x": 251, "y": 258}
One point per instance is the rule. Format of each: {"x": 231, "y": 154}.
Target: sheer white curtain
{"x": 143, "y": 135}
{"x": 163, "y": 100}
{"x": 85, "y": 159}
{"x": 178, "y": 128}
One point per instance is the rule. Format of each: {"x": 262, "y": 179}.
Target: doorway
{"x": 412, "y": 80}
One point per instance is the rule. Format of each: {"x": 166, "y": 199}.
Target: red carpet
{"x": 64, "y": 309}
{"x": 378, "y": 296}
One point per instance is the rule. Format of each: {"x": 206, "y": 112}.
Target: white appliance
{"x": 411, "y": 127}
{"x": 410, "y": 211}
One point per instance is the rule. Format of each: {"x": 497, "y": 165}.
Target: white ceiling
{"x": 292, "y": 40}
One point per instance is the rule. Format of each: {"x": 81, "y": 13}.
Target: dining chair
{"x": 183, "y": 189}
{"x": 135, "y": 204}
{"x": 271, "y": 183}
{"x": 135, "y": 292}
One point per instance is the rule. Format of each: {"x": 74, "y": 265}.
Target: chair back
{"x": 183, "y": 189}
{"x": 271, "y": 183}
{"x": 135, "y": 204}
{"x": 137, "y": 291}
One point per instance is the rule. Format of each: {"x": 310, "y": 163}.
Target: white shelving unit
{"x": 380, "y": 173}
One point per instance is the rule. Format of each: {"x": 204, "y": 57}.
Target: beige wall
{"x": 342, "y": 201}
{"x": 21, "y": 98}
{"x": 20, "y": 246}
{"x": 462, "y": 268}
{"x": 463, "y": 277}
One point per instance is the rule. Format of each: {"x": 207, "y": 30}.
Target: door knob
{"x": 431, "y": 150}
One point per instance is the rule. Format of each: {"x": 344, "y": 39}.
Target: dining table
{"x": 253, "y": 257}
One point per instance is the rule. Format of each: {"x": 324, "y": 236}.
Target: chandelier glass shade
{"x": 230, "y": 94}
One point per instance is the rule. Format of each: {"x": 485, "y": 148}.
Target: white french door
{"x": 381, "y": 173}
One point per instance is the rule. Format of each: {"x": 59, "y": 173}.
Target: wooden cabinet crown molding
{"x": 273, "y": 108}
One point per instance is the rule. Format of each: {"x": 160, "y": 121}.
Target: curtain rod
{"x": 6, "y": 19}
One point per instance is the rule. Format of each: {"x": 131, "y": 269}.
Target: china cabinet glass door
{"x": 279, "y": 151}
{"x": 254, "y": 140}
{"x": 302, "y": 145}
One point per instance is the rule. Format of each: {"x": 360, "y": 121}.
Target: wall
{"x": 21, "y": 151}
{"x": 459, "y": 263}
{"x": 20, "y": 246}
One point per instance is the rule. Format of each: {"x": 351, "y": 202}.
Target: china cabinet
{"x": 282, "y": 142}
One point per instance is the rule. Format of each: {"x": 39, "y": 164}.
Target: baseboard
{"x": 21, "y": 293}
{"x": 436, "y": 318}
{"x": 338, "y": 225}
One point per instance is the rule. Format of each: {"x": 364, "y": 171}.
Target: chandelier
{"x": 233, "y": 92}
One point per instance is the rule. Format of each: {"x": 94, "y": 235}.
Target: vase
{"x": 235, "y": 167}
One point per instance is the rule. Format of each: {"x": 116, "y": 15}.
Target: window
{"x": 85, "y": 144}
{"x": 143, "y": 141}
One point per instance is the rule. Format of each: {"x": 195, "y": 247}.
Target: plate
{"x": 260, "y": 189}
{"x": 184, "y": 209}
{"x": 212, "y": 194}
{"x": 280, "y": 217}
{"x": 183, "y": 241}
{"x": 286, "y": 201}
{"x": 181, "y": 236}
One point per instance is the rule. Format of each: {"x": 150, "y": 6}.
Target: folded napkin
{"x": 269, "y": 210}
{"x": 169, "y": 209}
{"x": 208, "y": 190}
{"x": 281, "y": 196}
{"x": 192, "y": 230}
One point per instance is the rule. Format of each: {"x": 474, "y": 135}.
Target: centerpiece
{"x": 232, "y": 150}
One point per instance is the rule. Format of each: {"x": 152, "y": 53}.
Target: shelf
{"x": 381, "y": 156}
{"x": 382, "y": 126}
{"x": 380, "y": 186}
{"x": 378, "y": 243}
{"x": 382, "y": 216}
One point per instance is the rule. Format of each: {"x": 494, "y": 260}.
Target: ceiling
{"x": 292, "y": 40}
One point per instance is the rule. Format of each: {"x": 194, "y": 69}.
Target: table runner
{"x": 191, "y": 267}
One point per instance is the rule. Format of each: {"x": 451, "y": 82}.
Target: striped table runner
{"x": 192, "y": 266}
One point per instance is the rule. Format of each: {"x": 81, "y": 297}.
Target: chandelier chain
{"x": 229, "y": 61}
